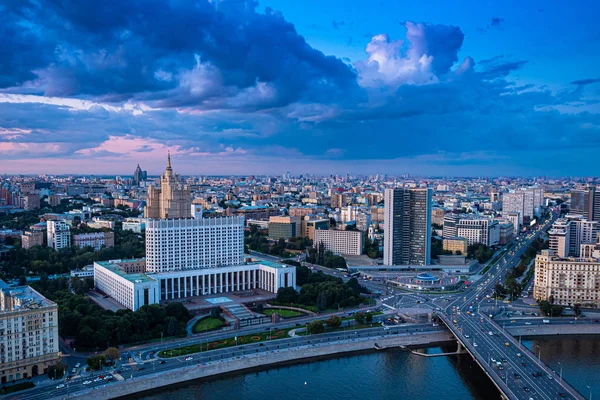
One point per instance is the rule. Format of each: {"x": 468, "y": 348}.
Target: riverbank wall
{"x": 555, "y": 330}
{"x": 260, "y": 360}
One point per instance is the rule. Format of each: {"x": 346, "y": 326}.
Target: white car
{"x": 87, "y": 382}
{"x": 527, "y": 323}
{"x": 474, "y": 344}
{"x": 188, "y": 358}
{"x": 62, "y": 385}
{"x": 467, "y": 336}
{"x": 491, "y": 333}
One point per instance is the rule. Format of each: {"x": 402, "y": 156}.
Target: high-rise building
{"x": 28, "y": 333}
{"x": 59, "y": 234}
{"x": 31, "y": 201}
{"x": 514, "y": 218}
{"x": 526, "y": 202}
{"x": 586, "y": 202}
{"x": 450, "y": 229}
{"x": 171, "y": 200}
{"x": 139, "y": 175}
{"x": 407, "y": 227}
{"x": 568, "y": 280}
{"x": 478, "y": 230}
{"x": 568, "y": 234}
{"x": 284, "y": 227}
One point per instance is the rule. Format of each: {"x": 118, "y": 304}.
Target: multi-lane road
{"x": 223, "y": 355}
{"x": 513, "y": 367}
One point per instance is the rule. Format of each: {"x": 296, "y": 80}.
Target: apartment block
{"x": 340, "y": 242}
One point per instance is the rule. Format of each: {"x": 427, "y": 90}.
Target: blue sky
{"x": 464, "y": 88}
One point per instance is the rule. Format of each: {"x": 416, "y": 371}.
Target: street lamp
{"x": 588, "y": 386}
{"x": 560, "y": 370}
{"x": 539, "y": 354}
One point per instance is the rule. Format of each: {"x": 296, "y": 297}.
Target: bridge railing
{"x": 500, "y": 384}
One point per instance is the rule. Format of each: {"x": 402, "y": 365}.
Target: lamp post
{"x": 539, "y": 354}
{"x": 588, "y": 386}
{"x": 560, "y": 370}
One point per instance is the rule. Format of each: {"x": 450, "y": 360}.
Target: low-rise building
{"x": 32, "y": 238}
{"x": 134, "y": 224}
{"x": 28, "y": 333}
{"x": 340, "y": 242}
{"x": 96, "y": 240}
{"x": 457, "y": 245}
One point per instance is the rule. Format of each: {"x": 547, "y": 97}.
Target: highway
{"x": 222, "y": 355}
{"x": 514, "y": 368}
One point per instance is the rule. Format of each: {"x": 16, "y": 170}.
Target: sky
{"x": 428, "y": 88}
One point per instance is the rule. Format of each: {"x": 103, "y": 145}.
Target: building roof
{"x": 113, "y": 266}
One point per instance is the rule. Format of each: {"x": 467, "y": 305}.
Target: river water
{"x": 392, "y": 374}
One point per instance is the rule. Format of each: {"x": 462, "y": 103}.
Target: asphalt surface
{"x": 503, "y": 358}
{"x": 222, "y": 355}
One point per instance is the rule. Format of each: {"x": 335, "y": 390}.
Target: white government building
{"x": 187, "y": 256}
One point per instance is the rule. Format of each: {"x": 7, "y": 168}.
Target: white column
{"x": 185, "y": 288}
{"x": 226, "y": 289}
{"x": 243, "y": 280}
{"x": 214, "y": 275}
{"x": 172, "y": 288}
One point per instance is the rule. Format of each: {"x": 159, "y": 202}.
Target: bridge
{"x": 514, "y": 369}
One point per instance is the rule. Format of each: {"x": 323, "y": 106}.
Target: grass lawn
{"x": 220, "y": 344}
{"x": 207, "y": 324}
{"x": 283, "y": 312}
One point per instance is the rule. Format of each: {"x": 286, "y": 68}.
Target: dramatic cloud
{"x": 89, "y": 86}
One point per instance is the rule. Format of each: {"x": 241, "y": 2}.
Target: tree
{"x": 22, "y": 280}
{"x": 96, "y": 362}
{"x": 316, "y": 327}
{"x": 57, "y": 370}
{"x": 260, "y": 308}
{"x": 112, "y": 353}
{"x": 321, "y": 301}
{"x": 369, "y": 317}
{"x": 577, "y": 310}
{"x": 359, "y": 317}
{"x": 334, "y": 321}
{"x": 172, "y": 325}
{"x": 215, "y": 312}
{"x": 286, "y": 295}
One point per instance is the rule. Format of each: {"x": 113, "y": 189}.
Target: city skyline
{"x": 239, "y": 88}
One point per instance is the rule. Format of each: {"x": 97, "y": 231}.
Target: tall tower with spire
{"x": 172, "y": 200}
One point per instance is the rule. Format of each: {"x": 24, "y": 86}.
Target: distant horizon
{"x": 453, "y": 89}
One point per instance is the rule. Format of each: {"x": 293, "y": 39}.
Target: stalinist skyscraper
{"x": 171, "y": 200}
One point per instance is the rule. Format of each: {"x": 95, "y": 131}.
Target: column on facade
{"x": 226, "y": 289}
{"x": 172, "y": 287}
{"x": 244, "y": 280}
{"x": 185, "y": 288}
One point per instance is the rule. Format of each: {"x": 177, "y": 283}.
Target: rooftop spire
{"x": 168, "y": 159}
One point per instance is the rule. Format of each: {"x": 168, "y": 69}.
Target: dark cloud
{"x": 175, "y": 53}
{"x": 583, "y": 82}
{"x": 496, "y": 21}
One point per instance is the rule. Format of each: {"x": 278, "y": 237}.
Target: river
{"x": 391, "y": 374}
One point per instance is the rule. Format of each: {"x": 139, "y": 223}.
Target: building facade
{"x": 478, "y": 230}
{"x": 59, "y": 234}
{"x": 32, "y": 238}
{"x": 95, "y": 240}
{"x": 340, "y": 242}
{"x": 181, "y": 244}
{"x": 309, "y": 226}
{"x": 284, "y": 227}
{"x": 28, "y": 333}
{"x": 455, "y": 245}
{"x": 135, "y": 289}
{"x": 407, "y": 227}
{"x": 171, "y": 200}
{"x": 526, "y": 202}
{"x": 568, "y": 281}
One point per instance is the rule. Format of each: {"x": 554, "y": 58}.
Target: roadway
{"x": 134, "y": 370}
{"x": 513, "y": 367}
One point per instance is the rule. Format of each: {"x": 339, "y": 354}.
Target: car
{"x": 524, "y": 364}
{"x": 550, "y": 377}
{"x": 87, "y": 382}
{"x": 561, "y": 394}
{"x": 500, "y": 367}
{"x": 512, "y": 321}
{"x": 188, "y": 358}
{"x": 518, "y": 354}
{"x": 493, "y": 360}
{"x": 77, "y": 365}
{"x": 506, "y": 344}
{"x": 595, "y": 320}
{"x": 62, "y": 385}
{"x": 517, "y": 376}
{"x": 467, "y": 336}
{"x": 571, "y": 322}
{"x": 474, "y": 344}
{"x": 162, "y": 362}
{"x": 526, "y": 389}
{"x": 141, "y": 368}
{"x": 527, "y": 323}
{"x": 536, "y": 374}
